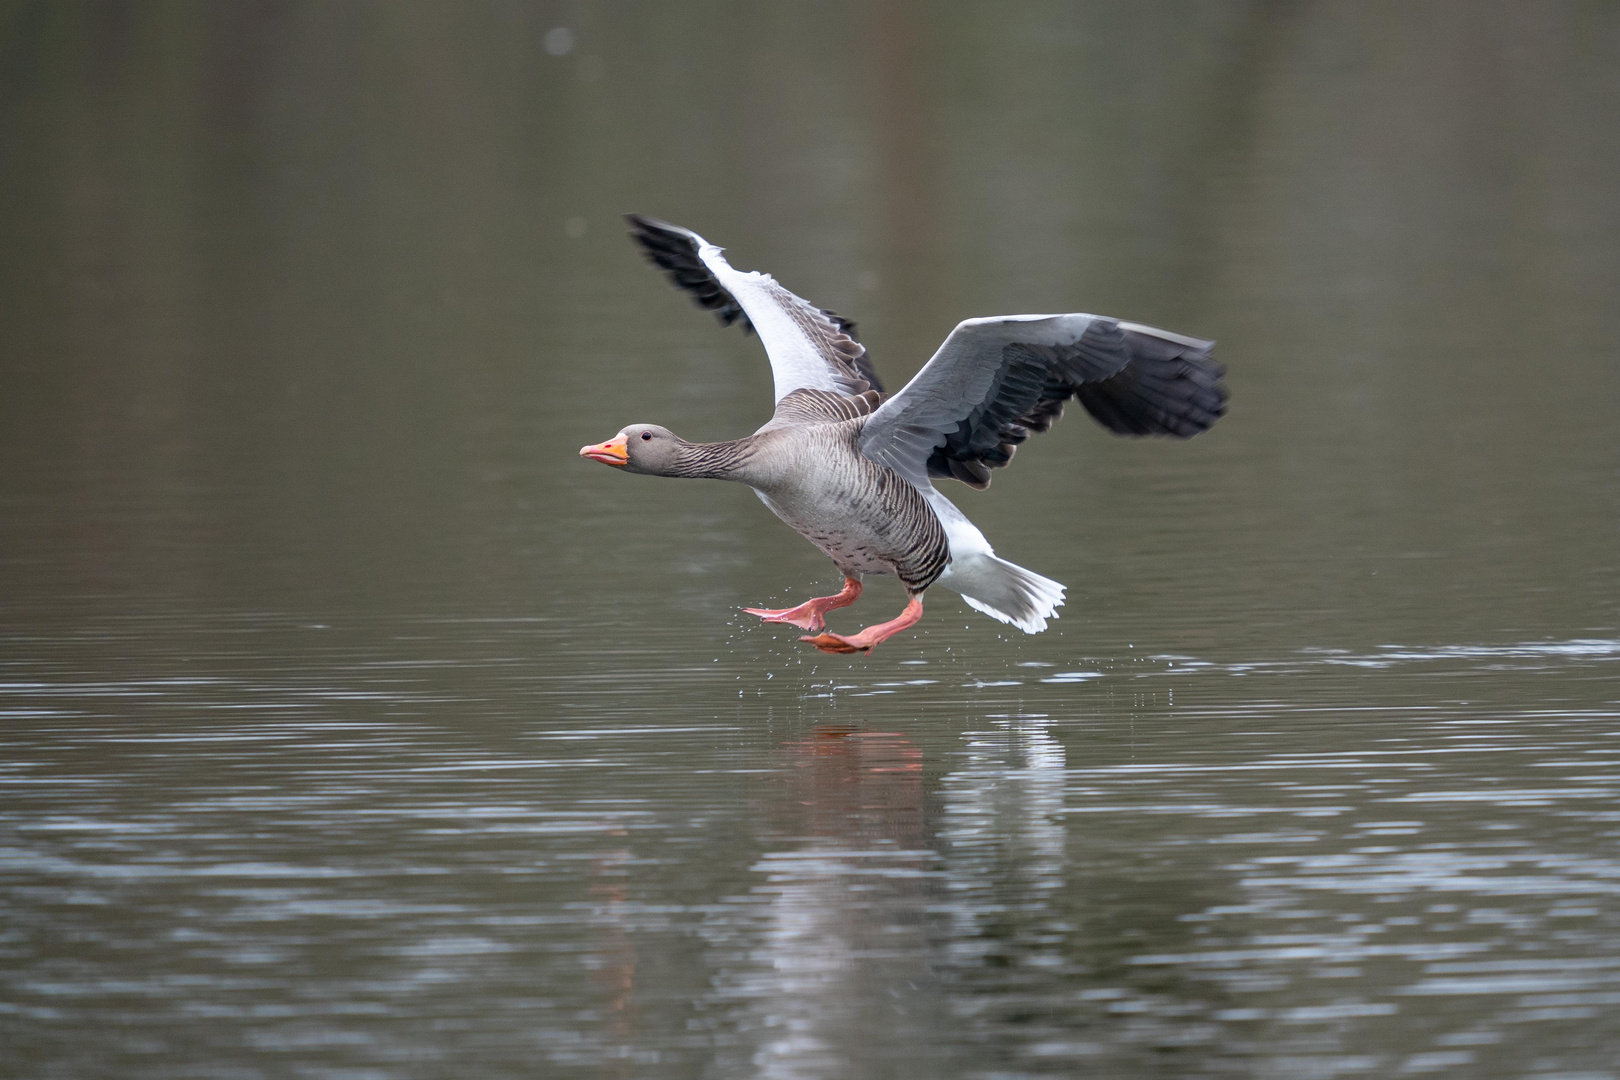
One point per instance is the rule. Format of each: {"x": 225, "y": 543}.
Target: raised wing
{"x": 996, "y": 380}
{"x": 808, "y": 347}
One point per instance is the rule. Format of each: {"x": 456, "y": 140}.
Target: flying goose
{"x": 852, "y": 468}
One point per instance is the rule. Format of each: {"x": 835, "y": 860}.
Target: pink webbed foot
{"x": 872, "y": 635}
{"x": 804, "y": 615}
{"x": 809, "y": 615}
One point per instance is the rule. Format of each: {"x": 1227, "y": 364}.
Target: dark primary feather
{"x": 1170, "y": 387}
{"x": 1133, "y": 380}
{"x": 676, "y": 251}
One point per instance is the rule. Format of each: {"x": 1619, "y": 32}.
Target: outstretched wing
{"x": 996, "y": 380}
{"x": 808, "y": 347}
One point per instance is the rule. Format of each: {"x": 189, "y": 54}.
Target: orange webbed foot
{"x": 835, "y": 643}
{"x": 872, "y": 635}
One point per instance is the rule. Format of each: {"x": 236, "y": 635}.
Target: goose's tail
{"x": 991, "y": 585}
{"x": 1004, "y": 591}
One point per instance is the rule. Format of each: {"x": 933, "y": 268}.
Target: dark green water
{"x": 352, "y": 727}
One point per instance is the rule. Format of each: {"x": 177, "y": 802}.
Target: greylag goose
{"x": 852, "y": 469}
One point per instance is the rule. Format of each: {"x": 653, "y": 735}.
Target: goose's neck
{"x": 733, "y": 460}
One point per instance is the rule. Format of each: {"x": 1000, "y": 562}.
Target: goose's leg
{"x": 809, "y": 614}
{"x": 872, "y": 635}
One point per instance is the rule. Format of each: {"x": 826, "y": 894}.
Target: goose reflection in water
{"x": 845, "y": 977}
{"x": 611, "y": 955}
{"x": 847, "y": 968}
{"x": 1003, "y": 838}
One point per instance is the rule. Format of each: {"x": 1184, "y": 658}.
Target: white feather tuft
{"x": 1005, "y": 591}
{"x": 994, "y": 586}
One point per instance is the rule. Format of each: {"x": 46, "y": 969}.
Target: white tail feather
{"x": 994, "y": 586}
{"x": 1005, "y": 591}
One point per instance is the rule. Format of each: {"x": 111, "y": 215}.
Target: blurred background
{"x": 308, "y": 307}
{"x": 316, "y": 301}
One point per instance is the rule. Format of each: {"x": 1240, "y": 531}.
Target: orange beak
{"x": 612, "y": 452}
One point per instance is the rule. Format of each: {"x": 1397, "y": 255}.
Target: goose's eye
{"x": 646, "y": 436}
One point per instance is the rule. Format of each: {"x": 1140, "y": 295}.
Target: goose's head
{"x": 639, "y": 448}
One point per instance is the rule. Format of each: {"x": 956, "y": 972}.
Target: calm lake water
{"x": 352, "y": 727}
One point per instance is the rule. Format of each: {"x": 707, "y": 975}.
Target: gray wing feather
{"x": 994, "y": 381}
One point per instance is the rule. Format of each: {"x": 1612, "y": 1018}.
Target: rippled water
{"x": 393, "y": 848}
{"x": 352, "y": 727}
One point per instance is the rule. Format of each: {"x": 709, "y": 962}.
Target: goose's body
{"x": 852, "y": 469}
{"x": 861, "y": 515}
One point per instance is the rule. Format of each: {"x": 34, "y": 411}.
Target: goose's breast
{"x": 847, "y": 528}
{"x": 862, "y": 516}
